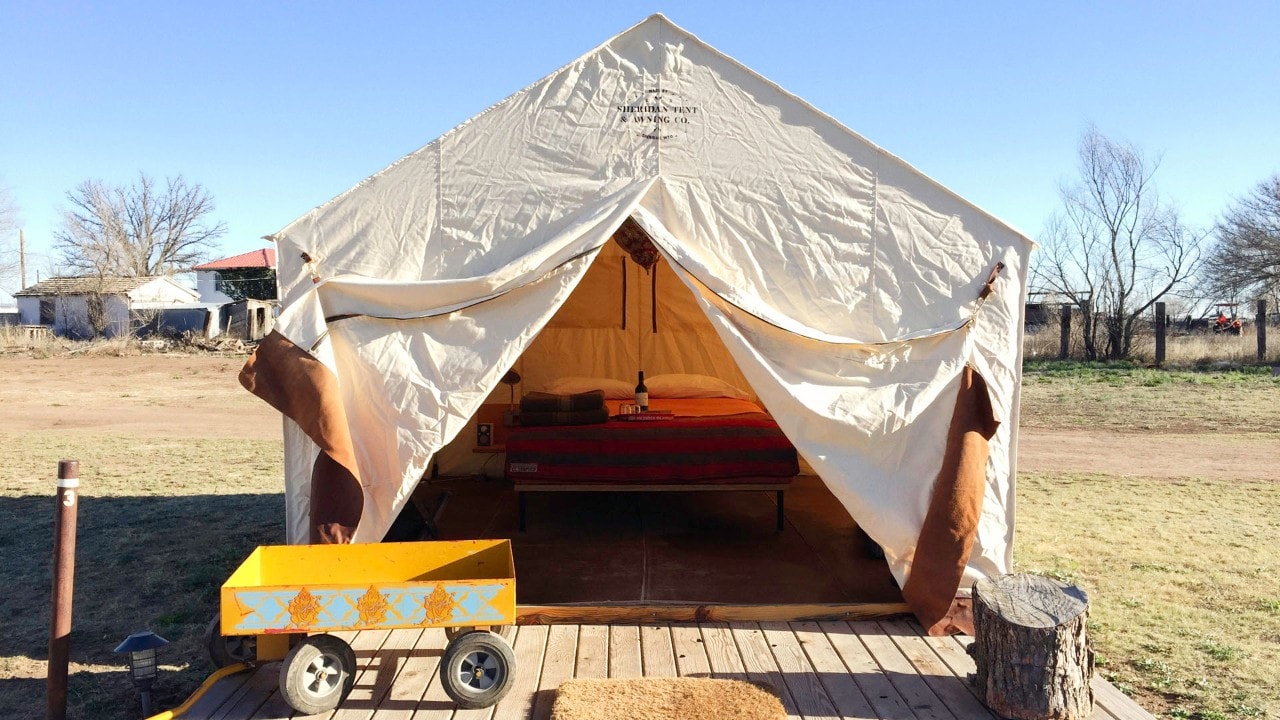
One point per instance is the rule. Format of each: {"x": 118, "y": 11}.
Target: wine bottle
{"x": 642, "y": 394}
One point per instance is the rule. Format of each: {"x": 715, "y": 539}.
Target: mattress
{"x": 708, "y": 440}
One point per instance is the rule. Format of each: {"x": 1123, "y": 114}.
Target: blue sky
{"x": 277, "y": 107}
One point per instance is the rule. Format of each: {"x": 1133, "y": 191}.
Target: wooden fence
{"x": 1058, "y": 335}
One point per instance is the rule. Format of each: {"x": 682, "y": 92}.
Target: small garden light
{"x": 142, "y": 647}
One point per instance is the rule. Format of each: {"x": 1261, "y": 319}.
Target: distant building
{"x": 248, "y": 276}
{"x": 86, "y": 307}
{"x": 245, "y": 288}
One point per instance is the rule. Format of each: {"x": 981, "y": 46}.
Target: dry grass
{"x": 1184, "y": 574}
{"x": 1184, "y": 578}
{"x": 162, "y": 522}
{"x": 1122, "y": 396}
{"x": 1181, "y": 350}
{"x": 15, "y": 338}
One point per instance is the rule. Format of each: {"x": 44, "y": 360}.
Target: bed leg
{"x": 782, "y": 513}
{"x": 520, "y": 497}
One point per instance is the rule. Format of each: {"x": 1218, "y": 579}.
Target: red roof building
{"x": 250, "y": 275}
{"x": 264, "y": 258}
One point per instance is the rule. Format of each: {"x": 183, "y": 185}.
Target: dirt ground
{"x": 150, "y": 395}
{"x": 1156, "y": 456}
{"x": 147, "y": 395}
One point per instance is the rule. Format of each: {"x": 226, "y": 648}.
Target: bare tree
{"x": 8, "y": 236}
{"x": 1114, "y": 250}
{"x": 136, "y": 231}
{"x": 1245, "y": 262}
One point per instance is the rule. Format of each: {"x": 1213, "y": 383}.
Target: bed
{"x": 709, "y": 444}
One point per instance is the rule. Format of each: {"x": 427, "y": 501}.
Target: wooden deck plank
{"x": 275, "y": 708}
{"x": 377, "y": 675}
{"x": 923, "y": 701}
{"x": 252, "y": 694}
{"x": 1116, "y": 703}
{"x": 953, "y": 649}
{"x": 844, "y": 693}
{"x": 656, "y": 652}
{"x": 416, "y": 673}
{"x": 953, "y": 689}
{"x": 757, "y": 658}
{"x": 624, "y": 652}
{"x": 690, "y": 651}
{"x": 530, "y": 647}
{"x": 885, "y": 699}
{"x": 885, "y": 670}
{"x": 954, "y": 654}
{"x": 218, "y": 695}
{"x": 557, "y": 666}
{"x": 722, "y": 652}
{"x": 593, "y": 652}
{"x": 797, "y": 672}
{"x": 435, "y": 704}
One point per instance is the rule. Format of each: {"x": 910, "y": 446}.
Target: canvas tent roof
{"x": 843, "y": 284}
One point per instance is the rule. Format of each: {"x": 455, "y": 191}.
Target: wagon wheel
{"x": 230, "y": 649}
{"x": 508, "y": 632}
{"x": 317, "y": 674}
{"x": 477, "y": 669}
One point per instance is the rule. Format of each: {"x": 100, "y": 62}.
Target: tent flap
{"x": 955, "y": 508}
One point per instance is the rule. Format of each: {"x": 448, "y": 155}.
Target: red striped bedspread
{"x": 743, "y": 447}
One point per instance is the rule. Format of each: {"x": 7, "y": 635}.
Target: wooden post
{"x": 1262, "y": 329}
{"x": 1161, "y": 325}
{"x": 1064, "y": 341}
{"x": 64, "y": 570}
{"x": 1031, "y": 648}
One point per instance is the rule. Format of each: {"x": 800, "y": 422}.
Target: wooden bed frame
{"x": 776, "y": 485}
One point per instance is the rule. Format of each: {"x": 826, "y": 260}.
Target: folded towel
{"x": 571, "y": 417}
{"x": 547, "y": 402}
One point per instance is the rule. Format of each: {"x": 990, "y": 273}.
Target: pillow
{"x": 613, "y": 389}
{"x": 692, "y": 386}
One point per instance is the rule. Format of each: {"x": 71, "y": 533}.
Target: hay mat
{"x": 665, "y": 699}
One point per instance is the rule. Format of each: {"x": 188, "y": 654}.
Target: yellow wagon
{"x": 283, "y": 600}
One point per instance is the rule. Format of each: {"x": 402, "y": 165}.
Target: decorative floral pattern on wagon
{"x": 319, "y": 609}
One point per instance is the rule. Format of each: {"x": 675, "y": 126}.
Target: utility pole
{"x": 22, "y": 255}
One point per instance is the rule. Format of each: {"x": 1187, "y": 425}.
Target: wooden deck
{"x": 867, "y": 669}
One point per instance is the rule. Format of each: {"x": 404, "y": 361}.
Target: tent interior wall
{"x": 609, "y": 327}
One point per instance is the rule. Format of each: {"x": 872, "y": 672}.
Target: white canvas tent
{"x": 843, "y": 284}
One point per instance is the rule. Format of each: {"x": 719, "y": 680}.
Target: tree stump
{"x": 1031, "y": 648}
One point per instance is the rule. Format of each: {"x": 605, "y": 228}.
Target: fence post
{"x": 64, "y": 570}
{"x": 1262, "y": 329}
{"x": 1064, "y": 326}
{"x": 1160, "y": 330}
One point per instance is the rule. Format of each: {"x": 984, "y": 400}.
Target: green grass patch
{"x": 1125, "y": 396}
{"x": 1219, "y": 651}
